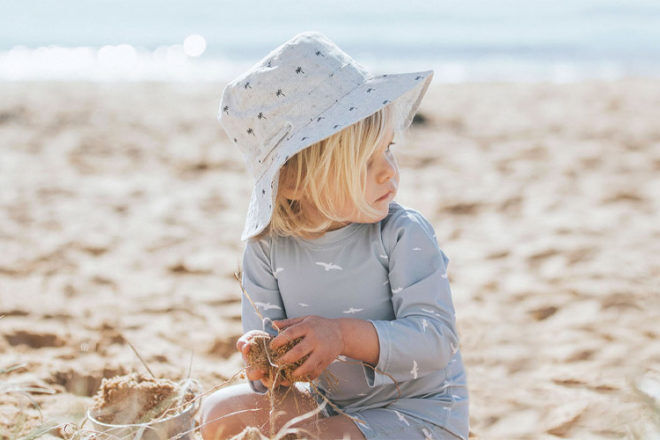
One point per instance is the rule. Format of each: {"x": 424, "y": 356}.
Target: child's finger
{"x": 240, "y": 344}
{"x": 247, "y": 337}
{"x": 283, "y": 382}
{"x": 244, "y": 349}
{"x": 296, "y": 352}
{"x": 281, "y": 324}
{"x": 288, "y": 335}
{"x": 310, "y": 369}
{"x": 253, "y": 373}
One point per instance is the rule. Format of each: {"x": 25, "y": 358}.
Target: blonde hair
{"x": 328, "y": 174}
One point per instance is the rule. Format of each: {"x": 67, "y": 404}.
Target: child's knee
{"x": 227, "y": 411}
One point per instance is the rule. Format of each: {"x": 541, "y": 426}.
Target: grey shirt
{"x": 391, "y": 273}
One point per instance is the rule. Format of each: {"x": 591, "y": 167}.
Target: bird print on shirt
{"x": 414, "y": 370}
{"x": 351, "y": 311}
{"x": 444, "y": 275}
{"x": 425, "y": 324}
{"x": 401, "y": 418}
{"x": 427, "y": 434}
{"x": 417, "y": 249}
{"x": 340, "y": 358}
{"x": 329, "y": 266}
{"x": 397, "y": 290}
{"x": 432, "y": 312}
{"x": 303, "y": 305}
{"x": 267, "y": 306}
{"x": 454, "y": 347}
{"x": 277, "y": 271}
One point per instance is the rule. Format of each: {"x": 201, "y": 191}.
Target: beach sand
{"x": 121, "y": 208}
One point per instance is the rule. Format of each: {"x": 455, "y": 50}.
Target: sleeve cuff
{"x": 257, "y": 386}
{"x": 373, "y": 377}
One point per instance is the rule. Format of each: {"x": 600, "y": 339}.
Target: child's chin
{"x": 382, "y": 215}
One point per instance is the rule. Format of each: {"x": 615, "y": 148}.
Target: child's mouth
{"x": 380, "y": 199}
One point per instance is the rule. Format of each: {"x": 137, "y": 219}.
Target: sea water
{"x": 206, "y": 40}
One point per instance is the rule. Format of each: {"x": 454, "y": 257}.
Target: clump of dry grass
{"x": 287, "y": 432}
{"x": 252, "y": 433}
{"x": 261, "y": 356}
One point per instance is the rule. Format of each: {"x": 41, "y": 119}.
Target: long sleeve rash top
{"x": 391, "y": 273}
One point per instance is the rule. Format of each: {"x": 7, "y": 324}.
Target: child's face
{"x": 382, "y": 183}
{"x": 381, "y": 188}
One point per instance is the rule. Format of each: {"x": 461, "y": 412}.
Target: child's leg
{"x": 229, "y": 410}
{"x": 335, "y": 427}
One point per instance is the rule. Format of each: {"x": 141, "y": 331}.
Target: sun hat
{"x": 302, "y": 92}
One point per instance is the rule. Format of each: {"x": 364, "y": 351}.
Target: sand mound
{"x": 135, "y": 398}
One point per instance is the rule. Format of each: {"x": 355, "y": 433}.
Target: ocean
{"x": 204, "y": 40}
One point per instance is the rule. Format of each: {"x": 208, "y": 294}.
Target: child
{"x": 333, "y": 259}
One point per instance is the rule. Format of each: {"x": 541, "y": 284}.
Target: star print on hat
{"x": 302, "y": 92}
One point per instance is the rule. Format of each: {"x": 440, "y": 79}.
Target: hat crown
{"x": 283, "y": 92}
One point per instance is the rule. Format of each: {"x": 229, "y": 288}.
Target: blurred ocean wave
{"x": 204, "y": 40}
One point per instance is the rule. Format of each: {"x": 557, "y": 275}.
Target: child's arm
{"x": 260, "y": 283}
{"x": 422, "y": 338}
{"x": 325, "y": 339}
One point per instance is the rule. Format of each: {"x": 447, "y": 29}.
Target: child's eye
{"x": 387, "y": 151}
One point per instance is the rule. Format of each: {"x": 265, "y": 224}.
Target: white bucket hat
{"x": 302, "y": 92}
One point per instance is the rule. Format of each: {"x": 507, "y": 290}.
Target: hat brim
{"x": 404, "y": 91}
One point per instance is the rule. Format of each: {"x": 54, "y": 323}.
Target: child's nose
{"x": 388, "y": 170}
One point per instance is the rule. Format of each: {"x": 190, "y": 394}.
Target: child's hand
{"x": 322, "y": 338}
{"x": 243, "y": 345}
{"x": 255, "y": 373}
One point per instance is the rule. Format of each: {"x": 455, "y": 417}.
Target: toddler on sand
{"x": 331, "y": 257}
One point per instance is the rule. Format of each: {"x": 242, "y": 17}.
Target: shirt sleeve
{"x": 261, "y": 285}
{"x": 422, "y": 338}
